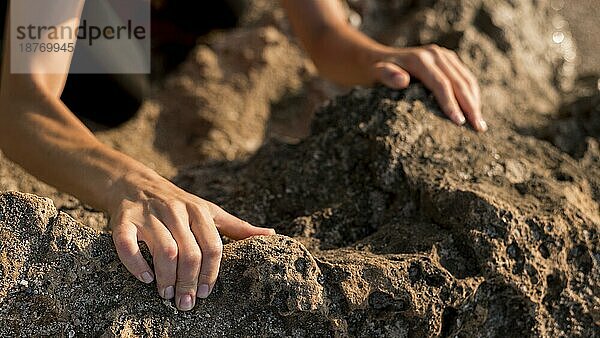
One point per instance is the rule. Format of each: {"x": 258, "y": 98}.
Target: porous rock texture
{"x": 393, "y": 222}
{"x": 382, "y": 174}
{"x": 403, "y": 226}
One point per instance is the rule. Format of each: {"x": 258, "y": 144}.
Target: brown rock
{"x": 377, "y": 177}
{"x": 397, "y": 222}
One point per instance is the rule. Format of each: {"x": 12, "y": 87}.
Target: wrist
{"x": 127, "y": 183}
{"x": 348, "y": 57}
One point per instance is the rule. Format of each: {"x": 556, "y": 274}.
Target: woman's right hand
{"x": 181, "y": 231}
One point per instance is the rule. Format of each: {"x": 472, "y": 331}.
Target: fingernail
{"x": 146, "y": 277}
{"x": 459, "y": 118}
{"x": 203, "y": 291}
{"x": 185, "y": 303}
{"x": 483, "y": 125}
{"x": 169, "y": 292}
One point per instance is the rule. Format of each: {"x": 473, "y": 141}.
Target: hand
{"x": 180, "y": 229}
{"x": 440, "y": 69}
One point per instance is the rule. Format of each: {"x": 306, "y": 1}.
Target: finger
{"x": 442, "y": 89}
{"x": 164, "y": 254}
{"x": 203, "y": 227}
{"x": 391, "y": 75}
{"x": 175, "y": 216}
{"x": 462, "y": 91}
{"x": 126, "y": 243}
{"x": 234, "y": 227}
{"x": 468, "y": 90}
{"x": 467, "y": 74}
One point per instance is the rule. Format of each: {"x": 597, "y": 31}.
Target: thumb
{"x": 391, "y": 75}
{"x": 236, "y": 228}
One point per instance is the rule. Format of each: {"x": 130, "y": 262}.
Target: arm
{"x": 348, "y": 57}
{"x": 181, "y": 230}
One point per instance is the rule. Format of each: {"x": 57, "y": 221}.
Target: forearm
{"x": 340, "y": 52}
{"x": 181, "y": 230}
{"x": 42, "y": 135}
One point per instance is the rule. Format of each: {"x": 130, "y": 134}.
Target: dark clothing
{"x": 113, "y": 99}
{"x": 108, "y": 99}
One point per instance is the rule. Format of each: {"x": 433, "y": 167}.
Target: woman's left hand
{"x": 440, "y": 69}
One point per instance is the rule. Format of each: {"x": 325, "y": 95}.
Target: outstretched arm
{"x": 40, "y": 133}
{"x": 348, "y": 57}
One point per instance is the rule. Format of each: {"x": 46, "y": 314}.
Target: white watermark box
{"x": 96, "y": 36}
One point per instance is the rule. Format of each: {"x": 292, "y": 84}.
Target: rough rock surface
{"x": 62, "y": 279}
{"x": 14, "y": 178}
{"x": 393, "y": 221}
{"x": 415, "y": 228}
{"x": 222, "y": 96}
{"x": 383, "y": 174}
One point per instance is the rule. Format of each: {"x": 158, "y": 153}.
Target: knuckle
{"x": 122, "y": 244}
{"x": 169, "y": 251}
{"x": 462, "y": 86}
{"x": 442, "y": 84}
{"x": 419, "y": 58}
{"x": 470, "y": 84}
{"x": 432, "y": 46}
{"x": 173, "y": 205}
{"x": 213, "y": 208}
{"x": 202, "y": 218}
{"x": 446, "y": 84}
{"x": 207, "y": 278}
{"x": 186, "y": 284}
{"x": 423, "y": 55}
{"x": 213, "y": 251}
{"x": 172, "y": 209}
{"x": 191, "y": 258}
{"x": 435, "y": 50}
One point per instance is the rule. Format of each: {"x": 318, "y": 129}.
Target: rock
{"x": 578, "y": 122}
{"x": 203, "y": 117}
{"x": 14, "y": 178}
{"x": 397, "y": 229}
{"x": 218, "y": 105}
{"x": 61, "y": 278}
{"x": 58, "y": 276}
{"x": 383, "y": 174}
{"x": 268, "y": 286}
{"x": 408, "y": 241}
